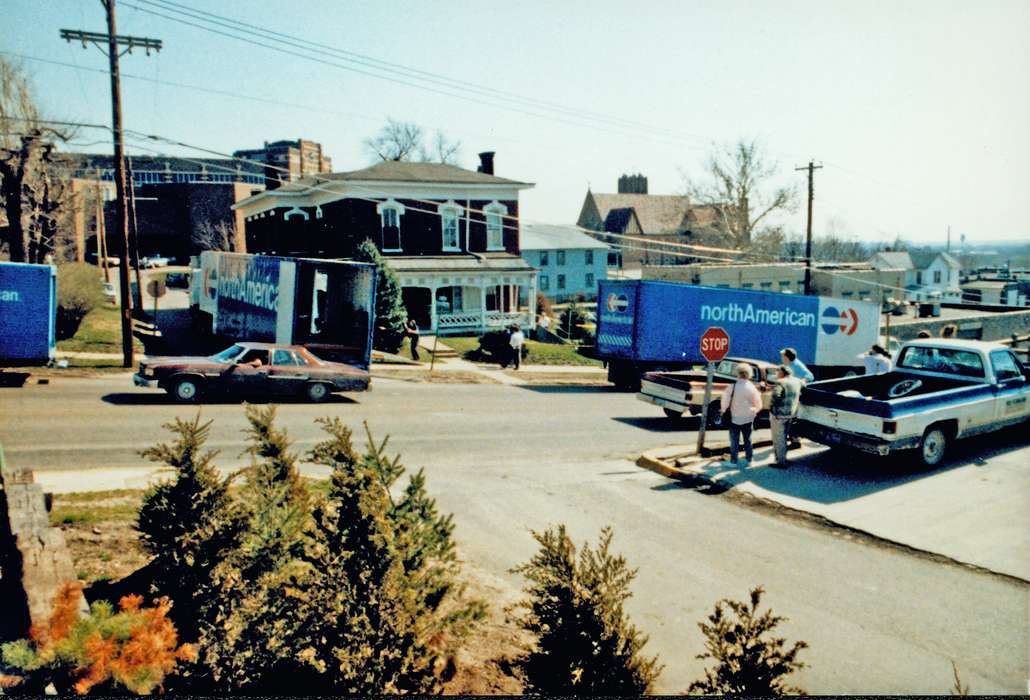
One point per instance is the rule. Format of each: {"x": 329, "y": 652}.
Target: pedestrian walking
{"x": 517, "y": 340}
{"x": 411, "y": 328}
{"x": 797, "y": 367}
{"x": 783, "y": 406}
{"x": 877, "y": 360}
{"x": 743, "y": 401}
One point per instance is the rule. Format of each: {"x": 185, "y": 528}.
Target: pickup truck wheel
{"x": 185, "y": 390}
{"x": 317, "y": 392}
{"x": 672, "y": 413}
{"x": 933, "y": 446}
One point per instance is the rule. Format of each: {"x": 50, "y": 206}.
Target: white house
{"x": 570, "y": 262}
{"x": 929, "y": 275}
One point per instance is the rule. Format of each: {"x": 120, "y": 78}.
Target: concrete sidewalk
{"x": 975, "y": 509}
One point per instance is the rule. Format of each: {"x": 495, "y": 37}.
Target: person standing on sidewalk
{"x": 743, "y": 402}
{"x": 783, "y": 406}
{"x": 517, "y": 340}
{"x": 412, "y": 330}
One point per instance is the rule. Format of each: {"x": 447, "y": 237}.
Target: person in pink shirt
{"x": 743, "y": 401}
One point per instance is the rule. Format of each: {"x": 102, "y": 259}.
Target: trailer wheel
{"x": 185, "y": 390}
{"x": 317, "y": 392}
{"x": 933, "y": 446}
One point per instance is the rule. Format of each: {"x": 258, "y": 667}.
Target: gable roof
{"x": 922, "y": 259}
{"x": 401, "y": 171}
{"x": 548, "y": 237}
{"x": 897, "y": 259}
{"x": 656, "y": 213}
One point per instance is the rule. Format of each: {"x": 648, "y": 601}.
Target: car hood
{"x": 176, "y": 362}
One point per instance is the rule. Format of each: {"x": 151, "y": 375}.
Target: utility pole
{"x": 811, "y": 168}
{"x": 135, "y": 238}
{"x": 113, "y": 42}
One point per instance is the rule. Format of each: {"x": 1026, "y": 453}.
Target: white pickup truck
{"x": 940, "y": 391}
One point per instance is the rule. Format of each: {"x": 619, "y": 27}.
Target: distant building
{"x": 842, "y": 280}
{"x": 762, "y": 277}
{"x": 570, "y": 263}
{"x": 929, "y": 275}
{"x": 632, "y": 211}
{"x": 451, "y": 235}
{"x": 175, "y": 198}
{"x": 288, "y": 161}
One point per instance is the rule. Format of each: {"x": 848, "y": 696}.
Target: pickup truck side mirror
{"x": 1010, "y": 376}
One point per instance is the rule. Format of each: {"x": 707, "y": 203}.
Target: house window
{"x": 919, "y": 277}
{"x": 784, "y": 285}
{"x": 766, "y": 285}
{"x": 560, "y": 255}
{"x": 847, "y": 295}
{"x": 545, "y": 283}
{"x": 936, "y": 276}
{"x": 590, "y": 257}
{"x": 747, "y": 285}
{"x": 495, "y": 213}
{"x": 449, "y": 215}
{"x": 561, "y": 281}
{"x": 390, "y": 221}
{"x": 545, "y": 259}
{"x": 590, "y": 279}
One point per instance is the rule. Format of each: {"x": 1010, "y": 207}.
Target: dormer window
{"x": 450, "y": 213}
{"x": 390, "y": 213}
{"x": 495, "y": 213}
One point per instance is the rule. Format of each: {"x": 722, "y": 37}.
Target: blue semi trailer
{"x": 28, "y": 314}
{"x": 645, "y": 325}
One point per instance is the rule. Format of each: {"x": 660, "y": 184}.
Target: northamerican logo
{"x": 845, "y": 321}
{"x": 617, "y": 303}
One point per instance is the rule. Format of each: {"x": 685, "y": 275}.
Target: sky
{"x": 919, "y": 111}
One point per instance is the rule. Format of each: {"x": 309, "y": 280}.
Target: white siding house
{"x": 928, "y": 275}
{"x": 570, "y": 262}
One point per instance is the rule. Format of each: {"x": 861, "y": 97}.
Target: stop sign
{"x": 715, "y": 343}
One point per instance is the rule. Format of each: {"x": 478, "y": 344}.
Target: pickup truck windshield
{"x": 945, "y": 360}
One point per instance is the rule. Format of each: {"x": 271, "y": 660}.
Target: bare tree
{"x": 396, "y": 141}
{"x": 220, "y": 236}
{"x": 31, "y": 191}
{"x": 736, "y": 185}
{"x": 443, "y": 150}
{"x": 405, "y": 141}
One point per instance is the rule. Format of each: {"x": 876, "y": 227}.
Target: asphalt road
{"x": 506, "y": 459}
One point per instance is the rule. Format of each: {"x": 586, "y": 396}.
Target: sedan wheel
{"x": 933, "y": 446}
{"x": 185, "y": 391}
{"x": 317, "y": 392}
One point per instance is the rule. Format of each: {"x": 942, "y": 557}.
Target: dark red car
{"x": 251, "y": 369}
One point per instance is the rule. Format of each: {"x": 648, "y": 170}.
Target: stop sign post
{"x": 715, "y": 345}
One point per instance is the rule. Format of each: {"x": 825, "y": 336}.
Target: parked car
{"x": 682, "y": 392}
{"x": 251, "y": 369}
{"x": 940, "y": 391}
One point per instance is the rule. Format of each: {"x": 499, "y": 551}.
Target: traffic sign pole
{"x": 715, "y": 345}
{"x": 704, "y": 410}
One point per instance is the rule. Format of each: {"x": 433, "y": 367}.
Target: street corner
{"x": 970, "y": 511}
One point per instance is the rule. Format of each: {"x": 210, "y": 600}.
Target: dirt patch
{"x": 560, "y": 378}
{"x": 104, "y": 551}
{"x": 441, "y": 377}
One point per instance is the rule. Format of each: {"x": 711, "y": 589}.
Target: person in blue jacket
{"x": 797, "y": 367}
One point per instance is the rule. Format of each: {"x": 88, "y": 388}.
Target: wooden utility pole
{"x": 101, "y": 234}
{"x": 135, "y": 238}
{"x": 113, "y": 42}
{"x": 811, "y": 168}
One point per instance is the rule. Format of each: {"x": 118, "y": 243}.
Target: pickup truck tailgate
{"x": 832, "y": 418}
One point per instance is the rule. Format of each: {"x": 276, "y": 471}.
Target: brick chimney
{"x": 486, "y": 162}
{"x": 633, "y": 184}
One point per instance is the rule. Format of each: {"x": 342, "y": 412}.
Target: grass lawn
{"x": 100, "y": 331}
{"x": 539, "y": 353}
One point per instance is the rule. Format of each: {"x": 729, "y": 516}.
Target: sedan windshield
{"x": 229, "y": 354}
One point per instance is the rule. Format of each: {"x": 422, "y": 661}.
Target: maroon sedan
{"x": 251, "y": 369}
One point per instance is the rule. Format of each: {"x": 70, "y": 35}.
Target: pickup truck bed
{"x": 871, "y": 394}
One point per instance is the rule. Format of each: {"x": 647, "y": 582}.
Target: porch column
{"x": 482, "y": 308}
{"x": 531, "y": 300}
{"x": 432, "y": 308}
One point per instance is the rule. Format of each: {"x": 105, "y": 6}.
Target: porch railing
{"x": 482, "y": 319}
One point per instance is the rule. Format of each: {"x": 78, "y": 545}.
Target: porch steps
{"x": 443, "y": 350}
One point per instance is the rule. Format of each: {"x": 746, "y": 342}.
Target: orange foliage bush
{"x": 134, "y": 648}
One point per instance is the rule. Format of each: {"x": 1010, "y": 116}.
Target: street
{"x": 506, "y": 459}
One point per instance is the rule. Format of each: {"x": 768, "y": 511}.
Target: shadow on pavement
{"x": 569, "y": 388}
{"x": 835, "y": 476}
{"x": 661, "y": 424}
{"x": 163, "y": 399}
